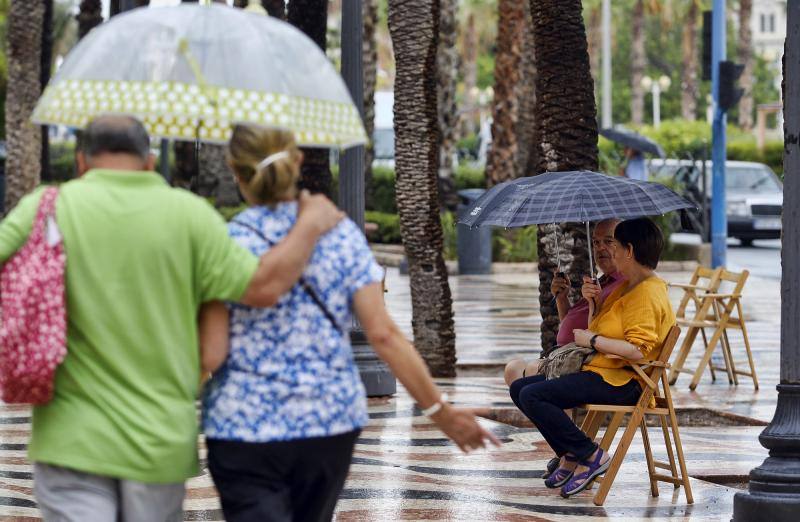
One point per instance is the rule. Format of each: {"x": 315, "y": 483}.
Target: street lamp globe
{"x": 646, "y": 83}
{"x": 664, "y": 82}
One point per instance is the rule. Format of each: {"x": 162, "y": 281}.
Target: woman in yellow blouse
{"x": 630, "y": 325}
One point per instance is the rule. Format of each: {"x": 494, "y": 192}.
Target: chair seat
{"x": 612, "y": 408}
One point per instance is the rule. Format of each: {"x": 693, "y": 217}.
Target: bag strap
{"x": 302, "y": 282}
{"x": 47, "y": 209}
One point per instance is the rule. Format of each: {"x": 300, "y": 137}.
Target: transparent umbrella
{"x": 190, "y": 71}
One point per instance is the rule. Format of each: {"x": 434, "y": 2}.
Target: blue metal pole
{"x": 719, "y": 222}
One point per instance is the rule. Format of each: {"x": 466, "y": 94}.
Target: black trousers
{"x": 544, "y": 402}
{"x": 296, "y": 480}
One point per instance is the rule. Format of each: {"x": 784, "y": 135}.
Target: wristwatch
{"x": 593, "y": 340}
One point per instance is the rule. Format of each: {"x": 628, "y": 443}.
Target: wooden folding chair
{"x": 704, "y": 281}
{"x": 719, "y": 311}
{"x": 653, "y": 374}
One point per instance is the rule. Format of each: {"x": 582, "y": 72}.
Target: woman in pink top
{"x": 576, "y": 316}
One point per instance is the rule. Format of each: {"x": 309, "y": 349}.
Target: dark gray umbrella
{"x": 633, "y": 140}
{"x": 575, "y": 196}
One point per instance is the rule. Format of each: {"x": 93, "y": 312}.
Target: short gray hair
{"x": 115, "y": 134}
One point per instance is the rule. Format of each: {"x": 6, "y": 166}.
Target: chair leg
{"x": 727, "y": 354}
{"x": 712, "y": 343}
{"x": 710, "y": 366}
{"x": 673, "y": 467}
{"x": 619, "y": 455}
{"x": 686, "y": 346}
{"x": 648, "y": 453}
{"x": 673, "y": 419}
{"x": 611, "y": 430}
{"x": 747, "y": 344}
{"x": 591, "y": 423}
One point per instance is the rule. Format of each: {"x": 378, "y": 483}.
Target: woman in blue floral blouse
{"x": 285, "y": 405}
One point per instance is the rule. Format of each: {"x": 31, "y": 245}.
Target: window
{"x": 772, "y": 23}
{"x": 763, "y": 23}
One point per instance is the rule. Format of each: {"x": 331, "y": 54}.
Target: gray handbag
{"x": 565, "y": 360}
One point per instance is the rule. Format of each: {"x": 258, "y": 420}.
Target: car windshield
{"x": 383, "y": 140}
{"x": 758, "y": 180}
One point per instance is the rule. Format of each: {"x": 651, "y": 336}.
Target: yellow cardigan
{"x": 643, "y": 317}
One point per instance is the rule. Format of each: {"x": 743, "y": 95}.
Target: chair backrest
{"x": 708, "y": 279}
{"x": 665, "y": 353}
{"x": 737, "y": 278}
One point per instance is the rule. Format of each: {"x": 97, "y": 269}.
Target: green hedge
{"x": 388, "y": 226}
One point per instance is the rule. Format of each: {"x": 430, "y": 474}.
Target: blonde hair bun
{"x": 266, "y": 161}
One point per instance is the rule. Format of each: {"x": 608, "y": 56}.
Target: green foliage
{"x": 62, "y": 161}
{"x": 515, "y": 245}
{"x": 383, "y": 198}
{"x": 449, "y": 234}
{"x": 388, "y": 226}
{"x": 470, "y": 177}
{"x": 230, "y": 212}
{"x": 468, "y": 146}
{"x": 746, "y": 150}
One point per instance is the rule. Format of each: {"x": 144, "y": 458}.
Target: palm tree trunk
{"x": 566, "y": 131}
{"x": 23, "y": 138}
{"x": 469, "y": 62}
{"x": 745, "y": 52}
{"x": 119, "y": 6}
{"x": 311, "y": 17}
{"x": 414, "y": 27}
{"x": 501, "y": 163}
{"x": 44, "y": 75}
{"x": 89, "y": 16}
{"x": 447, "y": 64}
{"x": 527, "y": 161}
{"x": 369, "y": 52}
{"x": 637, "y": 63}
{"x": 689, "y": 87}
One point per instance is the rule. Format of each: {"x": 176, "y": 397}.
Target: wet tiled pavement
{"x": 404, "y": 469}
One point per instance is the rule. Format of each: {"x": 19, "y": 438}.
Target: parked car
{"x": 753, "y": 196}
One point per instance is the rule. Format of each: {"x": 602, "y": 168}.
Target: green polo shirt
{"x": 141, "y": 258}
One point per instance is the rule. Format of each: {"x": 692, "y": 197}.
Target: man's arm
{"x": 281, "y": 267}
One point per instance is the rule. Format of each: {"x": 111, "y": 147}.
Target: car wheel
{"x": 746, "y": 241}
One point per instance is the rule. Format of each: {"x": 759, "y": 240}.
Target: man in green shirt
{"x": 120, "y": 434}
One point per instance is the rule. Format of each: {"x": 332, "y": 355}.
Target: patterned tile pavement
{"x": 403, "y": 469}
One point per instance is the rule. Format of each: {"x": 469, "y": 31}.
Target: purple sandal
{"x": 560, "y": 476}
{"x": 581, "y": 481}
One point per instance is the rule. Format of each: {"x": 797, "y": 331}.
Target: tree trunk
{"x": 369, "y": 52}
{"x": 566, "y": 131}
{"x": 275, "y": 8}
{"x": 44, "y": 75}
{"x": 311, "y": 17}
{"x": 414, "y": 27}
{"x": 447, "y": 73}
{"x": 745, "y": 52}
{"x": 501, "y": 164}
{"x": 637, "y": 63}
{"x": 526, "y": 124}
{"x": 23, "y": 138}
{"x": 689, "y": 87}
{"x": 89, "y": 16}
{"x": 119, "y": 6}
{"x": 469, "y": 61}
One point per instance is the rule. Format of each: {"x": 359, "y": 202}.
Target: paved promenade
{"x": 405, "y": 470}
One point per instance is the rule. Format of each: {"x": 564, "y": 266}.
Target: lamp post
{"x": 656, "y": 87}
{"x": 774, "y": 490}
{"x": 606, "y": 65}
{"x": 376, "y": 376}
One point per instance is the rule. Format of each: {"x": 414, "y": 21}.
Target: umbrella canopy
{"x": 633, "y": 140}
{"x": 191, "y": 71}
{"x": 575, "y": 196}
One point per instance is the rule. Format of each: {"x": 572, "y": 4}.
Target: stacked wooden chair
{"x": 716, "y": 310}
{"x": 654, "y": 400}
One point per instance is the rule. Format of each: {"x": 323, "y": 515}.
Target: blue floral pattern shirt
{"x": 290, "y": 374}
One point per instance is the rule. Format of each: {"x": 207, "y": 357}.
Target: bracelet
{"x": 593, "y": 340}
{"x": 432, "y": 410}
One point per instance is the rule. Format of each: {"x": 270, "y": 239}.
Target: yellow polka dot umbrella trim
{"x": 190, "y": 72}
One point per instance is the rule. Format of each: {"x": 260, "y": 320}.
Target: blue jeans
{"x": 544, "y": 402}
